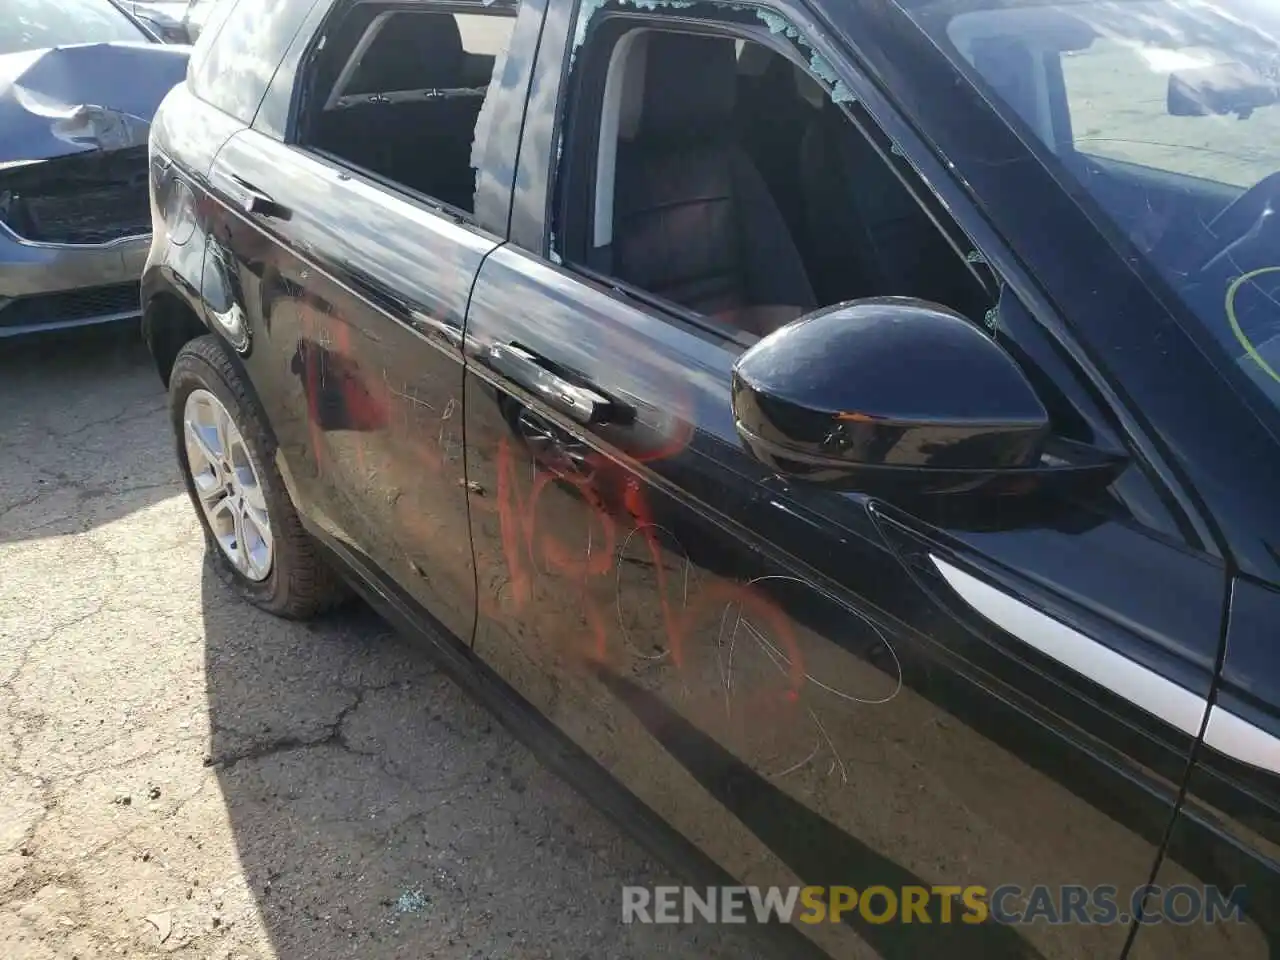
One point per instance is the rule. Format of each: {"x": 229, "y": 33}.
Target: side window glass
{"x": 401, "y": 94}
{"x": 720, "y": 175}
{"x": 239, "y": 49}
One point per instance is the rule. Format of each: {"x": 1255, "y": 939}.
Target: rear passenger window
{"x": 399, "y": 94}
{"x": 239, "y": 49}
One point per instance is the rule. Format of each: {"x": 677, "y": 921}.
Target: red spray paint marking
{"x": 352, "y": 398}
{"x": 637, "y": 504}
{"x": 334, "y": 386}
{"x": 511, "y": 513}
{"x": 522, "y": 543}
{"x": 557, "y": 554}
{"x": 311, "y": 382}
{"x": 524, "y": 540}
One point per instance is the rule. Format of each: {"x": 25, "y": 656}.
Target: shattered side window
{"x": 732, "y": 174}
{"x": 1167, "y": 113}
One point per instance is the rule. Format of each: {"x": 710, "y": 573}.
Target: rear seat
{"x": 423, "y": 143}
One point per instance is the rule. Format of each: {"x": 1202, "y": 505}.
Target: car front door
{"x": 818, "y": 687}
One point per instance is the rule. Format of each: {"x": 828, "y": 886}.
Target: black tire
{"x": 300, "y": 584}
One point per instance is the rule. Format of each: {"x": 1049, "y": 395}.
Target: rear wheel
{"x": 255, "y": 541}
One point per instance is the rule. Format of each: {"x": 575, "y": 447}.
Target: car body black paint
{"x": 881, "y": 413}
{"x": 518, "y": 299}
{"x": 596, "y": 567}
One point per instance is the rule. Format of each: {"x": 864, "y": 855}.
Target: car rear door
{"x": 353, "y": 300}
{"x": 352, "y": 291}
{"x": 825, "y": 688}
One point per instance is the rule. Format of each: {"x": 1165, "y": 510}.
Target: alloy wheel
{"x": 228, "y": 485}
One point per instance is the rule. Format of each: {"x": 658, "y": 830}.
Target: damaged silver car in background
{"x": 79, "y": 84}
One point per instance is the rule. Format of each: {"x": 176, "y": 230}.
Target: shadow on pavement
{"x": 378, "y": 812}
{"x": 84, "y": 438}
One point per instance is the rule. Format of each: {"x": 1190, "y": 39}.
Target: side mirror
{"x": 900, "y": 397}
{"x": 1224, "y": 88}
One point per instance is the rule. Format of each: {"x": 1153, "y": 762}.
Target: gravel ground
{"x": 184, "y": 776}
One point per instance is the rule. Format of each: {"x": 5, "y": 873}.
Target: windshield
{"x": 36, "y": 24}
{"x": 1167, "y": 113}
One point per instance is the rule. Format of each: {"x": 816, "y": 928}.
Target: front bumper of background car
{"x": 53, "y": 286}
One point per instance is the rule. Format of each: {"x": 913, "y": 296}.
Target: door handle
{"x": 580, "y": 402}
{"x": 253, "y": 201}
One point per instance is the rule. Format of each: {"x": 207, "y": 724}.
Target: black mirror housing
{"x": 1218, "y": 90}
{"x": 888, "y": 389}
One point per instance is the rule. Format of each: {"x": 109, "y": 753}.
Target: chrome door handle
{"x": 254, "y": 201}
{"x": 580, "y": 402}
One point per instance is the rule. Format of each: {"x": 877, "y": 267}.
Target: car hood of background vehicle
{"x": 79, "y": 99}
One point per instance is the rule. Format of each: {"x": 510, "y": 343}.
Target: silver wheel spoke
{"x": 210, "y": 489}
{"x": 247, "y": 481}
{"x": 242, "y": 552}
{"x": 197, "y": 439}
{"x": 223, "y": 427}
{"x": 257, "y": 540}
{"x": 253, "y": 496}
{"x": 208, "y": 484}
{"x": 224, "y": 518}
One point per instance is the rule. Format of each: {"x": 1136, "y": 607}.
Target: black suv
{"x": 842, "y": 436}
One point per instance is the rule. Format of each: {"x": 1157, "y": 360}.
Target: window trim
{"x": 701, "y": 325}
{"x": 610, "y": 126}
{"x": 304, "y": 84}
{"x": 344, "y": 168}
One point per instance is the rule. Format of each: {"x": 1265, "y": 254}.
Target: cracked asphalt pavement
{"x": 185, "y": 776}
